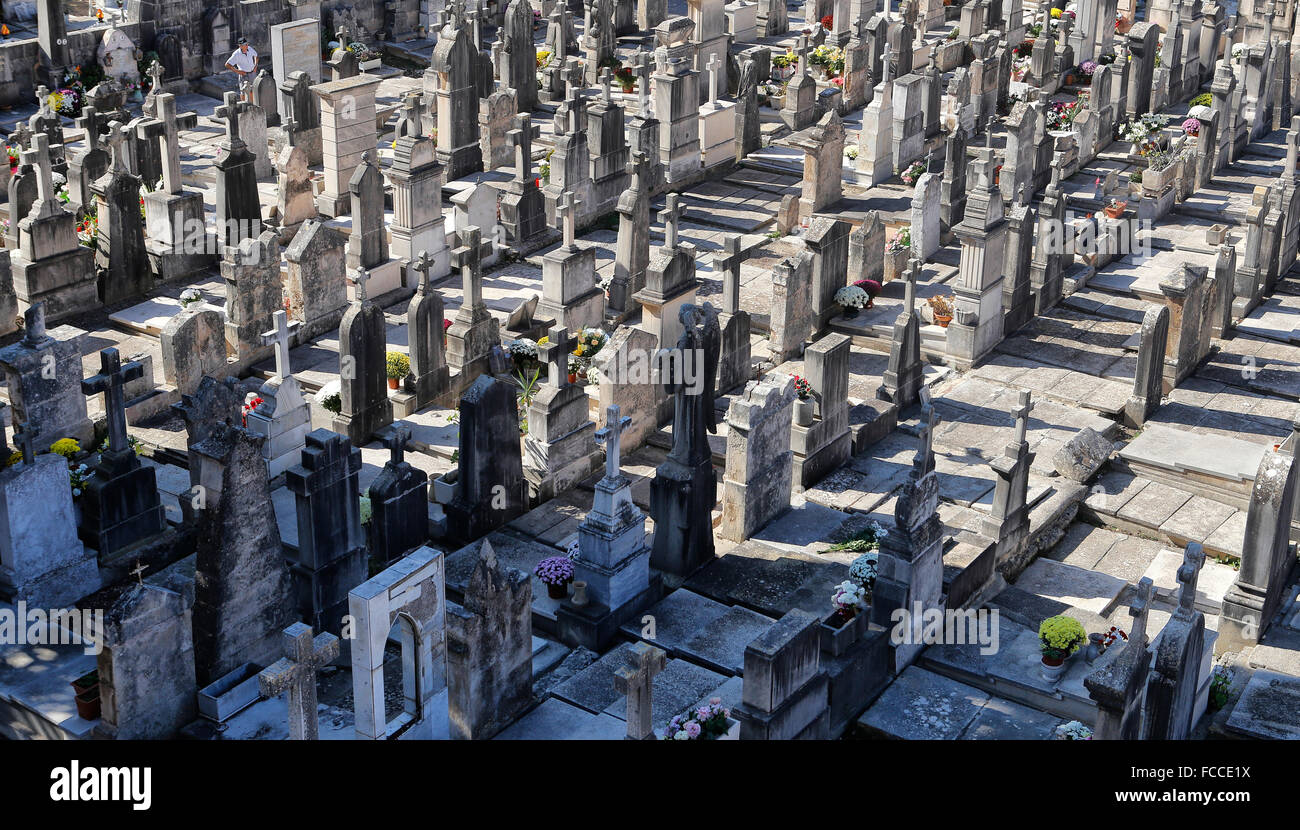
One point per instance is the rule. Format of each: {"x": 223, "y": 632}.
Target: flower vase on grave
{"x": 803, "y": 411}
{"x": 557, "y": 590}
{"x": 851, "y": 311}
{"x": 1052, "y": 668}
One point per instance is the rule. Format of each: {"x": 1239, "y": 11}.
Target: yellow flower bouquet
{"x": 1060, "y": 637}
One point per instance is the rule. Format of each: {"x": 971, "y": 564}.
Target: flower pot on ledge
{"x": 896, "y": 263}
{"x": 838, "y": 634}
{"x": 804, "y": 409}
{"x": 1051, "y": 668}
{"x": 557, "y": 590}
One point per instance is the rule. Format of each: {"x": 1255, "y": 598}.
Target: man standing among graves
{"x": 243, "y": 62}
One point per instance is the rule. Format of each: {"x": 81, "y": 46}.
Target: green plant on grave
{"x": 332, "y": 403}
{"x": 131, "y": 441}
{"x": 774, "y": 234}
{"x": 1136, "y": 178}
{"x": 367, "y": 511}
{"x": 528, "y": 389}
{"x": 1205, "y": 99}
{"x": 1220, "y": 687}
{"x": 1060, "y": 636}
{"x": 397, "y": 365}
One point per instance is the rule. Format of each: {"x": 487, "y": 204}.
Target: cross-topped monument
{"x": 611, "y": 436}
{"x": 728, "y": 261}
{"x": 396, "y": 442}
{"x": 229, "y": 112}
{"x": 113, "y": 376}
{"x": 924, "y": 461}
{"x": 165, "y": 129}
{"x": 636, "y": 681}
{"x": 1188, "y": 575}
{"x": 555, "y": 354}
{"x": 423, "y": 265}
{"x": 296, "y": 672}
{"x": 1137, "y": 610}
{"x": 567, "y": 208}
{"x": 47, "y": 200}
{"x": 642, "y": 71}
{"x": 909, "y": 290}
{"x": 90, "y": 123}
{"x": 359, "y": 278}
{"x": 712, "y": 68}
{"x": 117, "y": 146}
{"x": 467, "y": 258}
{"x": 1021, "y": 412}
{"x": 606, "y": 82}
{"x": 522, "y": 138}
{"x": 671, "y": 215}
{"x": 279, "y": 336}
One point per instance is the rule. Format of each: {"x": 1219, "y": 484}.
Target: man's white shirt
{"x": 244, "y": 61}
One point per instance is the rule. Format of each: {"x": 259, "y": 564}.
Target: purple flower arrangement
{"x": 1088, "y": 67}
{"x": 555, "y": 570}
{"x": 707, "y": 722}
{"x": 1191, "y": 126}
{"x": 872, "y": 287}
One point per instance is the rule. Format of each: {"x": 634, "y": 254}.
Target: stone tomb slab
{"x": 682, "y": 685}
{"x": 1005, "y": 720}
{"x": 921, "y": 705}
{"x": 1268, "y": 708}
{"x": 1088, "y": 590}
{"x": 556, "y": 720}
{"x": 677, "y": 618}
{"x": 769, "y": 580}
{"x": 1212, "y": 455}
{"x": 721, "y": 645}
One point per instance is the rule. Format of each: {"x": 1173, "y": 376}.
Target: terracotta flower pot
{"x": 88, "y": 704}
{"x": 942, "y": 320}
{"x": 1117, "y": 211}
{"x": 392, "y": 383}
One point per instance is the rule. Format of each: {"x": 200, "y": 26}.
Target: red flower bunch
{"x": 802, "y": 388}
{"x": 828, "y": 22}
{"x": 249, "y": 407}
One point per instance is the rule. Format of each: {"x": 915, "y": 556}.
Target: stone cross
{"x": 884, "y": 65}
{"x": 113, "y": 375}
{"x": 924, "y": 461}
{"x": 39, "y": 158}
{"x": 638, "y": 169}
{"x": 467, "y": 258}
{"x": 359, "y": 279}
{"x": 296, "y": 671}
{"x": 670, "y": 216}
{"x": 1188, "y": 575}
{"x": 714, "y": 63}
{"x": 344, "y": 36}
{"x": 522, "y": 138}
{"x": 635, "y": 680}
{"x": 988, "y": 132}
{"x": 567, "y": 209}
{"x": 229, "y": 112}
{"x": 89, "y": 122}
{"x": 1022, "y": 416}
{"x": 729, "y": 263}
{"x": 422, "y": 266}
{"x": 396, "y": 442}
{"x": 803, "y": 56}
{"x": 164, "y": 128}
{"x": 909, "y": 291}
{"x": 23, "y": 438}
{"x": 155, "y": 76}
{"x": 21, "y": 137}
{"x": 43, "y": 99}
{"x": 555, "y": 354}
{"x": 116, "y": 140}
{"x": 1137, "y": 634}
{"x": 643, "y": 83}
{"x": 606, "y": 80}
{"x": 611, "y": 436}
{"x": 280, "y": 337}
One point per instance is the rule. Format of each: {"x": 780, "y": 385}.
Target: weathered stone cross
{"x": 396, "y": 442}
{"x": 555, "y": 354}
{"x": 729, "y": 262}
{"x": 422, "y": 266}
{"x": 47, "y": 202}
{"x": 611, "y": 435}
{"x": 296, "y": 671}
{"x": 643, "y": 83}
{"x": 909, "y": 293}
{"x": 638, "y": 167}
{"x": 712, "y": 68}
{"x": 1022, "y": 416}
{"x": 89, "y": 122}
{"x": 34, "y": 325}
{"x": 606, "y": 81}
{"x": 924, "y": 461}
{"x": 165, "y": 129}
{"x": 567, "y": 208}
{"x": 229, "y": 112}
{"x": 467, "y": 258}
{"x": 522, "y": 138}
{"x": 23, "y": 440}
{"x": 1188, "y": 575}
{"x": 670, "y": 216}
{"x": 1146, "y": 590}
{"x": 279, "y": 336}
{"x": 635, "y": 680}
{"x": 359, "y": 279}
{"x": 116, "y": 140}
{"x": 113, "y": 375}
{"x": 803, "y": 56}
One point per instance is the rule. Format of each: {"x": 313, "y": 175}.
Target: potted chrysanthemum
{"x": 708, "y": 722}
{"x": 1059, "y": 637}
{"x": 852, "y": 299}
{"x": 556, "y": 572}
